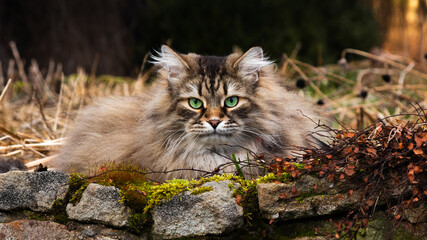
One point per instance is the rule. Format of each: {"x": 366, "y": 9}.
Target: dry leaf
{"x": 418, "y": 151}
{"x": 238, "y": 199}
{"x": 283, "y": 196}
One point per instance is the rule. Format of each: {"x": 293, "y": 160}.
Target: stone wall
{"x": 216, "y": 213}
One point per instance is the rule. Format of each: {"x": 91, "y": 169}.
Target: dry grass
{"x": 37, "y": 107}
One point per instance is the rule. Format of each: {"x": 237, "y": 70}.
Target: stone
{"x": 416, "y": 214}
{"x": 31, "y": 190}
{"x": 100, "y": 204}
{"x": 33, "y": 229}
{"x": 308, "y": 202}
{"x": 187, "y": 215}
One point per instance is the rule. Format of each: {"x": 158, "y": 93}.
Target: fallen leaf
{"x": 328, "y": 156}
{"x": 365, "y": 222}
{"x": 294, "y": 191}
{"x": 418, "y": 151}
{"x": 411, "y": 175}
{"x": 370, "y": 202}
{"x": 331, "y": 177}
{"x": 283, "y": 196}
{"x": 315, "y": 186}
{"x": 410, "y": 146}
{"x": 350, "y": 192}
{"x": 349, "y": 134}
{"x": 372, "y": 150}
{"x": 238, "y": 199}
{"x": 349, "y": 171}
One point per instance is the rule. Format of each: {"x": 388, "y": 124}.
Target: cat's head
{"x": 214, "y": 98}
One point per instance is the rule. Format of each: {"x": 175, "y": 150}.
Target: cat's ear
{"x": 170, "y": 61}
{"x": 250, "y": 63}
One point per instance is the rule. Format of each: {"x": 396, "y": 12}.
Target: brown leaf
{"x": 410, "y": 146}
{"x": 350, "y": 192}
{"x": 349, "y": 171}
{"x": 411, "y": 175}
{"x": 420, "y": 138}
{"x": 418, "y": 151}
{"x": 238, "y": 199}
{"x": 283, "y": 196}
{"x": 294, "y": 174}
{"x": 294, "y": 191}
{"x": 340, "y": 197}
{"x": 365, "y": 222}
{"x": 370, "y": 202}
{"x": 271, "y": 221}
{"x": 349, "y": 134}
{"x": 315, "y": 186}
{"x": 397, "y": 217}
{"x": 329, "y": 156}
{"x": 372, "y": 150}
{"x": 342, "y": 176}
{"x": 331, "y": 177}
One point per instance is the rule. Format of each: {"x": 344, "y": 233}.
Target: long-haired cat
{"x": 200, "y": 108}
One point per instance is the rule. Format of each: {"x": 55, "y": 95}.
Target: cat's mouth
{"x": 217, "y": 134}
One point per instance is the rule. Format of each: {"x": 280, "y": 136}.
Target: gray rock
{"x": 307, "y": 203}
{"x": 100, "y": 204}
{"x": 34, "y": 190}
{"x": 32, "y": 229}
{"x": 186, "y": 215}
{"x": 416, "y": 214}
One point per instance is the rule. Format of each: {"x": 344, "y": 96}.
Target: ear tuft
{"x": 169, "y": 60}
{"x": 251, "y": 62}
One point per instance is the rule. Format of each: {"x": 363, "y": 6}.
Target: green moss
{"x": 268, "y": 178}
{"x": 78, "y": 183}
{"x": 58, "y": 211}
{"x": 37, "y": 215}
{"x": 200, "y": 190}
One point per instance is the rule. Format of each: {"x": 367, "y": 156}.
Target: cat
{"x": 201, "y": 110}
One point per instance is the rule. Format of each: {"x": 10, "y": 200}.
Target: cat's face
{"x": 213, "y": 97}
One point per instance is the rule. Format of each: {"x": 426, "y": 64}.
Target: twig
{"x": 59, "y": 104}
{"x": 3, "y": 93}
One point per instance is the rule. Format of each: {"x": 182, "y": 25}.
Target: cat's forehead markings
{"x": 211, "y": 71}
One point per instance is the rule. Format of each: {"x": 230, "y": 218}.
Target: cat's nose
{"x": 214, "y": 122}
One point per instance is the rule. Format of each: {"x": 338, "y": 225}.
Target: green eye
{"x": 195, "y": 103}
{"x": 231, "y": 101}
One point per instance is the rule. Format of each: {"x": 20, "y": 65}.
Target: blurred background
{"x": 113, "y": 36}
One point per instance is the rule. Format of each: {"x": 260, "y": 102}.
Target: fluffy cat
{"x": 200, "y": 108}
